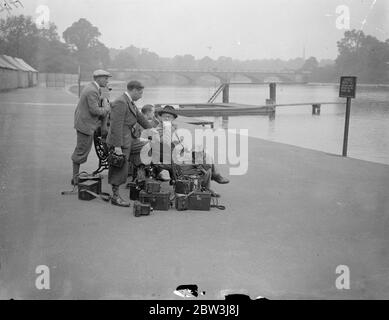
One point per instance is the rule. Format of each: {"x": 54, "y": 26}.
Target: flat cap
{"x": 101, "y": 73}
{"x": 169, "y": 110}
{"x": 135, "y": 84}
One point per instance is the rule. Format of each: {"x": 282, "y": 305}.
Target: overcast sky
{"x": 242, "y": 29}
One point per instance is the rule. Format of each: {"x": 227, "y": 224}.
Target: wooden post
{"x": 79, "y": 81}
{"x": 226, "y": 93}
{"x": 225, "y": 122}
{"x": 316, "y": 109}
{"x": 346, "y": 127}
{"x": 347, "y": 89}
{"x": 273, "y": 92}
{"x": 272, "y": 115}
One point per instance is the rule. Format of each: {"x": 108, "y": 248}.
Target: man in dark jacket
{"x": 90, "y": 111}
{"x": 124, "y": 116}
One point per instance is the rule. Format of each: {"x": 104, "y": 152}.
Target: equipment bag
{"x": 116, "y": 160}
{"x": 142, "y": 209}
{"x": 153, "y": 186}
{"x": 158, "y": 201}
{"x": 199, "y": 200}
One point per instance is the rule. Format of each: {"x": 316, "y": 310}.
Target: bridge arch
{"x": 208, "y": 78}
{"x": 192, "y": 75}
{"x": 191, "y": 79}
{"x": 286, "y": 77}
{"x": 254, "y": 77}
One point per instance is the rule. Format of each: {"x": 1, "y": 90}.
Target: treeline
{"x": 43, "y": 49}
{"x": 363, "y": 56}
{"x": 133, "y": 57}
{"x": 358, "y": 54}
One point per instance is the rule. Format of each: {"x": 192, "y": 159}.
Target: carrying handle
{"x": 217, "y": 205}
{"x": 106, "y": 197}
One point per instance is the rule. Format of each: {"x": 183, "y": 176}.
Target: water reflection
{"x": 225, "y": 122}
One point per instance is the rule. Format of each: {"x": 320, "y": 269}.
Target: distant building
{"x": 16, "y": 73}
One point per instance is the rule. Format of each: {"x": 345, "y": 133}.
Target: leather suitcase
{"x": 89, "y": 185}
{"x": 199, "y": 201}
{"x": 184, "y": 186}
{"x": 141, "y": 209}
{"x": 158, "y": 201}
{"x": 94, "y": 177}
{"x": 153, "y": 186}
{"x": 135, "y": 188}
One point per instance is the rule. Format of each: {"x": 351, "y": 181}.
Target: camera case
{"x": 153, "y": 186}
{"x": 199, "y": 200}
{"x": 142, "y": 209}
{"x": 89, "y": 185}
{"x": 116, "y": 160}
{"x": 184, "y": 186}
{"x": 158, "y": 201}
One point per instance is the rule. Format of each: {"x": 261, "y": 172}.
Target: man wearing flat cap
{"x": 91, "y": 111}
{"x": 124, "y": 117}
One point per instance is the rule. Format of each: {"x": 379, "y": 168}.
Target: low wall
{"x": 57, "y": 80}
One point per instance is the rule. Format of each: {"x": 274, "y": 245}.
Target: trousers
{"x": 118, "y": 176}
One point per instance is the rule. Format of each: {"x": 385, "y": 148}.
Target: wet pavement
{"x": 290, "y": 221}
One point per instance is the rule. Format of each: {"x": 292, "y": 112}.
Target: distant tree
{"x": 124, "y": 60}
{"x": 134, "y": 51}
{"x": 19, "y": 38}
{"x": 82, "y": 35}
{"x": 41, "y": 48}
{"x": 363, "y": 56}
{"x": 224, "y": 63}
{"x": 310, "y": 64}
{"x": 348, "y": 47}
{"x": 206, "y": 63}
{"x": 324, "y": 74}
{"x": 326, "y": 62}
{"x": 147, "y": 59}
{"x": 185, "y": 61}
{"x": 52, "y": 54}
{"x": 100, "y": 55}
{"x": 294, "y": 64}
{"x": 189, "y": 60}
{"x": 82, "y": 38}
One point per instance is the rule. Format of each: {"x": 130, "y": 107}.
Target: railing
{"x": 216, "y": 93}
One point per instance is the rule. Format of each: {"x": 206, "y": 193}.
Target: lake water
{"x": 369, "y": 122}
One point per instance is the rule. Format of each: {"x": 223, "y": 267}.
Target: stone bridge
{"x": 225, "y": 76}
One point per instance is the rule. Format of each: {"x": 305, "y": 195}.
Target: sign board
{"x": 348, "y": 87}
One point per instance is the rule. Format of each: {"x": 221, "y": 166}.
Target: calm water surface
{"x": 369, "y": 124}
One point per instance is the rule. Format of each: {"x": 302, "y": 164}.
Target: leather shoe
{"x": 118, "y": 201}
{"x": 219, "y": 179}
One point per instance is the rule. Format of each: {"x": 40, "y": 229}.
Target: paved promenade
{"x": 290, "y": 221}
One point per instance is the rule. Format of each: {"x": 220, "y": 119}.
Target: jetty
{"x": 227, "y": 108}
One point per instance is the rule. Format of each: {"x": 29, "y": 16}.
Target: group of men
{"x": 93, "y": 111}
